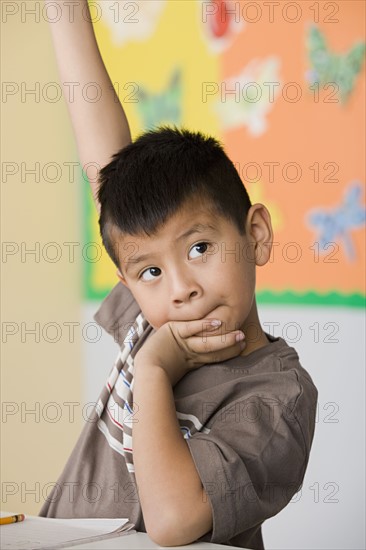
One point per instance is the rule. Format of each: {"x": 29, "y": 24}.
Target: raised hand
{"x": 101, "y": 127}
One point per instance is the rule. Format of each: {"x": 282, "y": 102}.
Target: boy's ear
{"x": 121, "y": 278}
{"x": 260, "y": 232}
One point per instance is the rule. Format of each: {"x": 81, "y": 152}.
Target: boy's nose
{"x": 184, "y": 288}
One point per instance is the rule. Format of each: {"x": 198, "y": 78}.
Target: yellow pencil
{"x": 12, "y": 519}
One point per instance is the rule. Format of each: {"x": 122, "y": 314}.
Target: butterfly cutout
{"x": 128, "y": 21}
{"x": 328, "y": 67}
{"x": 164, "y": 107}
{"x": 241, "y": 109}
{"x": 336, "y": 225}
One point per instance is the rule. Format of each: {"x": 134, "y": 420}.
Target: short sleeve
{"x": 117, "y": 312}
{"x": 254, "y": 458}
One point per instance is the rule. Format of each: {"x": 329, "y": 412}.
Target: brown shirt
{"x": 248, "y": 422}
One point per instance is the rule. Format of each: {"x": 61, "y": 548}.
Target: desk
{"x": 133, "y": 541}
{"x": 141, "y": 541}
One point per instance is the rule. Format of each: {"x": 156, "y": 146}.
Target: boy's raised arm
{"x": 100, "y": 127}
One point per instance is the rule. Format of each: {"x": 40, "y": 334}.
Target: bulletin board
{"x": 283, "y": 88}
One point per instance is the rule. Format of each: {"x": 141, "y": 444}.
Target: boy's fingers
{"x": 215, "y": 343}
{"x": 185, "y": 329}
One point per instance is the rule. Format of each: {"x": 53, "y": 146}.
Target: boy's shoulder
{"x": 117, "y": 312}
{"x": 271, "y": 375}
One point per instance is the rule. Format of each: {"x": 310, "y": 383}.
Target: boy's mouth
{"x": 209, "y": 315}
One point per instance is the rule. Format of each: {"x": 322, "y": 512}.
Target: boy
{"x": 203, "y": 430}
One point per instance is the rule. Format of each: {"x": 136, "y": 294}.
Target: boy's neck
{"x": 255, "y": 337}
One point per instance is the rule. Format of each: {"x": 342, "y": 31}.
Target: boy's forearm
{"x": 100, "y": 127}
{"x": 170, "y": 490}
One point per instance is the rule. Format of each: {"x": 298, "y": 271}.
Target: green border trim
{"x": 264, "y": 297}
{"x": 88, "y": 290}
{"x": 311, "y": 298}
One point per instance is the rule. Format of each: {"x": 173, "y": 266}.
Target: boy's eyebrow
{"x": 196, "y": 228}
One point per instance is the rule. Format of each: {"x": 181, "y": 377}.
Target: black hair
{"x": 150, "y": 179}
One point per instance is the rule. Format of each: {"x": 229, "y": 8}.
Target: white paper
{"x": 37, "y": 533}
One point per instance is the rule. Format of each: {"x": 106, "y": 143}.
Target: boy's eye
{"x": 201, "y": 248}
{"x": 149, "y": 269}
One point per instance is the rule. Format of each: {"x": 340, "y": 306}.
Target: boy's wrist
{"x": 161, "y": 351}
{"x": 143, "y": 370}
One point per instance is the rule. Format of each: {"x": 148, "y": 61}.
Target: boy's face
{"x": 196, "y": 272}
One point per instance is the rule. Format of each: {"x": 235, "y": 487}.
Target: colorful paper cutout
{"x": 220, "y": 24}
{"x": 253, "y": 98}
{"x": 327, "y": 67}
{"x": 164, "y": 107}
{"x": 131, "y": 21}
{"x": 335, "y": 225}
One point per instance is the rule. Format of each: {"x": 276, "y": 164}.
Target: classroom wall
{"x": 40, "y": 290}
{"x": 54, "y": 361}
